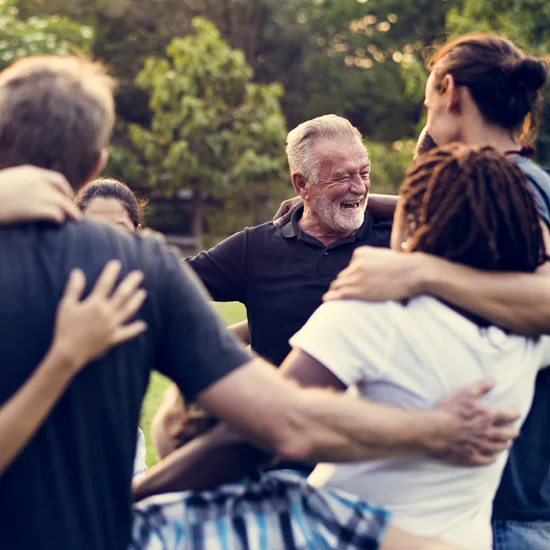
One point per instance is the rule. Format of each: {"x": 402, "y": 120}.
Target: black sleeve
{"x": 195, "y": 347}
{"x": 222, "y": 269}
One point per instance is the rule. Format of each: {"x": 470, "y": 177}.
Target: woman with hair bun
{"x": 483, "y": 89}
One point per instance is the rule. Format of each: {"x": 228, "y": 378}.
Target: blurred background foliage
{"x": 208, "y": 88}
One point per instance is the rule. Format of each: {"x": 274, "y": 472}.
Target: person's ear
{"x": 450, "y": 89}
{"x": 299, "y": 181}
{"x": 138, "y": 228}
{"x": 99, "y": 165}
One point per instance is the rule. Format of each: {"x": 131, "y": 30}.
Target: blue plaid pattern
{"x": 276, "y": 511}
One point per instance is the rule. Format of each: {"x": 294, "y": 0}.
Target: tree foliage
{"x": 52, "y": 35}
{"x": 361, "y": 59}
{"x": 213, "y": 130}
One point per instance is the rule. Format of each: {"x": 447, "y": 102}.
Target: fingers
{"x": 58, "y": 182}
{"x": 107, "y": 279}
{"x": 480, "y": 388}
{"x": 345, "y": 286}
{"x": 69, "y": 209}
{"x": 489, "y": 447}
{"x": 478, "y": 459}
{"x": 126, "y": 289}
{"x": 503, "y": 434}
{"x": 131, "y": 307}
{"x": 502, "y": 417}
{"x": 74, "y": 287}
{"x": 56, "y": 209}
{"x": 283, "y": 209}
{"x": 127, "y": 332}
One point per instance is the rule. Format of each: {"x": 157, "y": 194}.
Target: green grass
{"x": 231, "y": 313}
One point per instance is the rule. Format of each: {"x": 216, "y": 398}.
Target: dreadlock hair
{"x": 472, "y": 205}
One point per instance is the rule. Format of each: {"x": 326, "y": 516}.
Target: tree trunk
{"x": 197, "y": 220}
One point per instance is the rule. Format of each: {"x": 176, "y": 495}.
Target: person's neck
{"x": 498, "y": 138}
{"x": 309, "y": 223}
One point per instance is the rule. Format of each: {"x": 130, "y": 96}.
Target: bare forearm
{"x": 26, "y": 410}
{"x": 517, "y": 301}
{"x": 219, "y": 456}
{"x": 358, "y": 429}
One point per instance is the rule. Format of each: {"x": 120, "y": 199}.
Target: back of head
{"x": 56, "y": 113}
{"x": 503, "y": 81}
{"x": 301, "y": 140}
{"x": 108, "y": 188}
{"x": 471, "y": 205}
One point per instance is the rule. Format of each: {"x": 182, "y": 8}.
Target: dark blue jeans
{"x": 517, "y": 535}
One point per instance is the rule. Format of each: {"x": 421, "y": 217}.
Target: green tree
{"x": 39, "y": 35}
{"x": 213, "y": 130}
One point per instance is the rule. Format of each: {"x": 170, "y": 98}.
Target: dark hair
{"x": 473, "y": 206}
{"x": 503, "y": 81}
{"x": 108, "y": 188}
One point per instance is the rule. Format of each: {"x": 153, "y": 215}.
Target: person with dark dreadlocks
{"x": 469, "y": 205}
{"x": 484, "y": 89}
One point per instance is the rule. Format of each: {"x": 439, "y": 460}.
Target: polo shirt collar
{"x": 292, "y": 229}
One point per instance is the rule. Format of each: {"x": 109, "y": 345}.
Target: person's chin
{"x": 352, "y": 224}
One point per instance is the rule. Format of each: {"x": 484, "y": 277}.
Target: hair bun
{"x": 530, "y": 73}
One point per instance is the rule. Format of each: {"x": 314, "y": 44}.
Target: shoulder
{"x": 539, "y": 181}
{"x": 535, "y": 173}
{"x": 358, "y": 316}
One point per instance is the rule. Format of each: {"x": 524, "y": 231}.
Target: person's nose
{"x": 358, "y": 185}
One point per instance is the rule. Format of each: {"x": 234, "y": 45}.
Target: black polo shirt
{"x": 280, "y": 275}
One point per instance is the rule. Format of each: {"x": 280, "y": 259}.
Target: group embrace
{"x": 398, "y": 344}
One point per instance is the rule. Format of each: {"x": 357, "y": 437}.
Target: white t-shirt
{"x": 412, "y": 356}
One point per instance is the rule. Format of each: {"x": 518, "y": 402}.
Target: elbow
{"x": 295, "y": 449}
{"x": 294, "y": 441}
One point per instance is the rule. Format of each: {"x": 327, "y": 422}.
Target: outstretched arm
{"x": 517, "y": 301}
{"x": 84, "y": 331}
{"x": 318, "y": 425}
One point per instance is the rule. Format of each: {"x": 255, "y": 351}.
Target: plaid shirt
{"x": 276, "y": 511}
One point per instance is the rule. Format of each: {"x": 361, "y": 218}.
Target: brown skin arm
{"x": 460, "y": 429}
{"x": 198, "y": 464}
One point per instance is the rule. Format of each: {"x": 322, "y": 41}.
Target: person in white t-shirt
{"x": 472, "y": 206}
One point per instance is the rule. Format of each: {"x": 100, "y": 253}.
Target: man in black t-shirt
{"x": 70, "y": 487}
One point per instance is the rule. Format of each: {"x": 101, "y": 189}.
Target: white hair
{"x": 299, "y": 141}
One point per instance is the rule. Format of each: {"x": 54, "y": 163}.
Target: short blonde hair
{"x": 56, "y": 113}
{"x": 300, "y": 141}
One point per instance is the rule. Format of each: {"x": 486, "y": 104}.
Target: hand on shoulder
{"x": 85, "y": 329}
{"x": 28, "y": 193}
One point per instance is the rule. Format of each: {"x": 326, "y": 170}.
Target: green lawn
{"x": 231, "y": 313}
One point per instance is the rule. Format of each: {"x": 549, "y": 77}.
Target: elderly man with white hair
{"x": 281, "y": 274}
